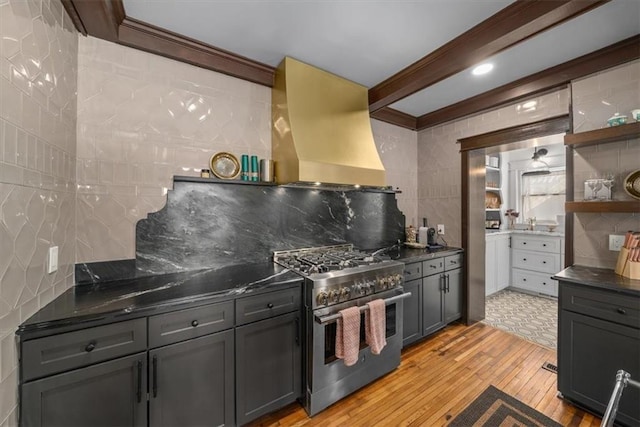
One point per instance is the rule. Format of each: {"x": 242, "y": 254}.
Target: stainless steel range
{"x": 337, "y": 277}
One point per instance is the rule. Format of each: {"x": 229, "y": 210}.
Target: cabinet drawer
{"x": 63, "y": 352}
{"x": 263, "y": 306}
{"x": 601, "y": 304}
{"x": 453, "y": 262}
{"x": 539, "y": 244}
{"x": 536, "y": 261}
{"x": 195, "y": 322}
{"x": 412, "y": 271}
{"x": 432, "y": 266}
{"x": 537, "y": 282}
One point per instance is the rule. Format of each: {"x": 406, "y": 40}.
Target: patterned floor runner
{"x": 532, "y": 317}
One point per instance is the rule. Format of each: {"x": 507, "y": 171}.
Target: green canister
{"x": 255, "y": 169}
{"x": 244, "y": 174}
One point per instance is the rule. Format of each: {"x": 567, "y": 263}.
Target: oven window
{"x": 331, "y": 328}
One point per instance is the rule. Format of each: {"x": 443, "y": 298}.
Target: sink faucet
{"x": 532, "y": 223}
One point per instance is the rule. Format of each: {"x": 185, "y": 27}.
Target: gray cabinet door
{"x": 590, "y": 352}
{"x": 107, "y": 394}
{"x": 269, "y": 373}
{"x": 453, "y": 295}
{"x": 191, "y": 383}
{"x": 411, "y": 318}
{"x": 432, "y": 318}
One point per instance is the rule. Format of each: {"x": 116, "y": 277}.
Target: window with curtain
{"x": 543, "y": 196}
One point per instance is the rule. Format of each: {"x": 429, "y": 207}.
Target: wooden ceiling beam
{"x": 510, "y": 26}
{"x": 395, "y": 117}
{"x": 552, "y": 78}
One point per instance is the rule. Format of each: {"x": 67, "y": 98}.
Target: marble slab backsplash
{"x": 210, "y": 224}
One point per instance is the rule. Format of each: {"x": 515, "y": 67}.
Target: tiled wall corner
{"x": 38, "y": 63}
{"x": 398, "y": 149}
{"x": 439, "y": 175}
{"x": 595, "y": 99}
{"x": 142, "y": 119}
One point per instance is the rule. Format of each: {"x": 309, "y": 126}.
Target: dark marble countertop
{"x": 408, "y": 255}
{"x": 602, "y": 278}
{"x": 127, "y": 299}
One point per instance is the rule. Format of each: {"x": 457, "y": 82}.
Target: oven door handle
{"x": 331, "y": 317}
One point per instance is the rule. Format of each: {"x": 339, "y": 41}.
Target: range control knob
{"x": 322, "y": 298}
{"x": 369, "y": 287}
{"x": 334, "y": 297}
{"x": 391, "y": 280}
{"x": 345, "y": 293}
{"x": 359, "y": 289}
{"x": 383, "y": 283}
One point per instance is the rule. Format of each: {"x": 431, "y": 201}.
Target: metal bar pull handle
{"x": 155, "y": 376}
{"x": 139, "y": 391}
{"x": 326, "y": 319}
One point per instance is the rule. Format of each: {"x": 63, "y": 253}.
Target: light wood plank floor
{"x": 440, "y": 376}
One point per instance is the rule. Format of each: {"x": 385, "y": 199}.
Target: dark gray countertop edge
{"x": 71, "y": 320}
{"x": 602, "y": 278}
{"x": 408, "y": 255}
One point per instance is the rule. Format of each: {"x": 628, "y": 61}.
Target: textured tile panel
{"x": 38, "y": 62}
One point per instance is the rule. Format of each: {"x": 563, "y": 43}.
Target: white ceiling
{"x": 368, "y": 41}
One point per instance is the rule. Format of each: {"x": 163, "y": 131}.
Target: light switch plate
{"x": 52, "y": 264}
{"x": 615, "y": 242}
{"x": 441, "y": 229}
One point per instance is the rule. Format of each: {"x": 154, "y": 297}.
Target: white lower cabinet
{"x": 534, "y": 259}
{"x": 497, "y": 262}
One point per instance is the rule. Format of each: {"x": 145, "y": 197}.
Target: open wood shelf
{"x": 600, "y": 136}
{"x": 606, "y": 206}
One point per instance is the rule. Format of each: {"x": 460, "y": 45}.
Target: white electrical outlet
{"x": 441, "y": 229}
{"x": 52, "y": 264}
{"x": 615, "y": 242}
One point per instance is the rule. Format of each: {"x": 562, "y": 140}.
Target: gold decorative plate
{"x": 632, "y": 184}
{"x": 224, "y": 165}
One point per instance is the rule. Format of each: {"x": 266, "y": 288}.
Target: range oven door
{"x": 327, "y": 370}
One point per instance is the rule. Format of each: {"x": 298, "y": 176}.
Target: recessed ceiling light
{"x": 482, "y": 69}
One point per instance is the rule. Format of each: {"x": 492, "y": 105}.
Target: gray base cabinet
{"x": 107, "y": 394}
{"x": 269, "y": 372}
{"x": 191, "y": 383}
{"x": 599, "y": 333}
{"x": 171, "y": 369}
{"x": 436, "y": 296}
{"x": 412, "y": 322}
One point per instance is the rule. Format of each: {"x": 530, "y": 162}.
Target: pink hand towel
{"x": 375, "y": 322}
{"x": 348, "y": 336}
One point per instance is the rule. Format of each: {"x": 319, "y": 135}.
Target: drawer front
{"x": 267, "y": 305}
{"x": 412, "y": 271}
{"x": 63, "y": 352}
{"x": 453, "y": 262}
{"x": 432, "y": 266}
{"x": 536, "y": 261}
{"x": 536, "y": 282}
{"x": 600, "y": 304}
{"x": 540, "y": 244}
{"x": 195, "y": 322}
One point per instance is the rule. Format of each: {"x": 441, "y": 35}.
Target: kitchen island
{"x": 598, "y": 334}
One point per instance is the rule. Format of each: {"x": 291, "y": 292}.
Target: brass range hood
{"x": 321, "y": 129}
